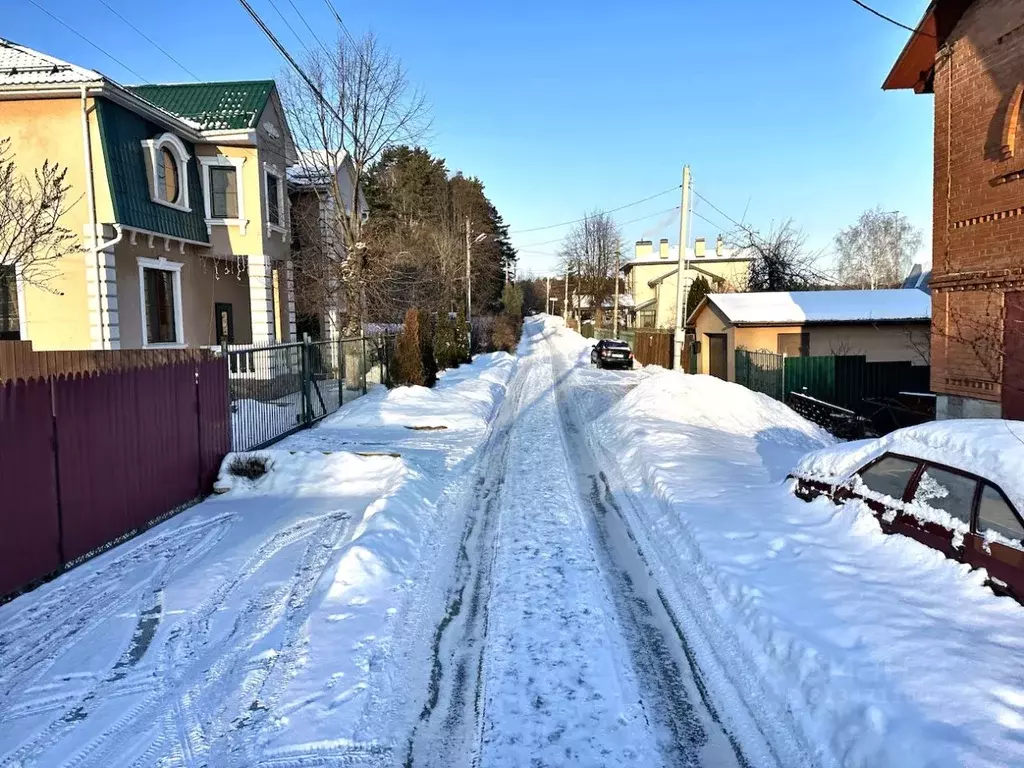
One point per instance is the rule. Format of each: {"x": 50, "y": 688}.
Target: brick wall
{"x": 978, "y": 251}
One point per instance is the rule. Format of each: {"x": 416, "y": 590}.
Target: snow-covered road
{"x": 535, "y": 563}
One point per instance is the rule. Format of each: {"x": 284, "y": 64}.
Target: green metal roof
{"x": 122, "y": 133}
{"x": 215, "y": 106}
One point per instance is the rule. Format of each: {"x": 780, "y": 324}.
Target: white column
{"x": 101, "y": 289}
{"x": 289, "y": 301}
{"x": 261, "y": 299}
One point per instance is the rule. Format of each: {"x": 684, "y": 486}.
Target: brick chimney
{"x": 699, "y": 248}
{"x": 663, "y": 248}
{"x": 643, "y": 248}
{"x": 719, "y": 246}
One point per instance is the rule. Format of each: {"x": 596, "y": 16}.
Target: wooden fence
{"x": 91, "y": 458}
{"x": 19, "y": 361}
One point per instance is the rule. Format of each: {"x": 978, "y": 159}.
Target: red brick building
{"x": 970, "y": 55}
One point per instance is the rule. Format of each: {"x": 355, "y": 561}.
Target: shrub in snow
{"x": 426, "y": 340}
{"x": 408, "y": 364}
{"x": 462, "y": 352}
{"x": 445, "y": 352}
{"x": 250, "y": 466}
{"x": 507, "y": 329}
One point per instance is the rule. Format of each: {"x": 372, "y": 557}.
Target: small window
{"x": 794, "y": 344}
{"x": 167, "y": 177}
{"x": 223, "y": 193}
{"x": 159, "y": 288}
{"x": 948, "y": 492}
{"x": 225, "y": 318}
{"x": 995, "y": 514}
{"x": 10, "y": 319}
{"x": 273, "y": 200}
{"x": 889, "y": 476}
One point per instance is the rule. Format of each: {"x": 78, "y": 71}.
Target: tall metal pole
{"x": 469, "y": 284}
{"x": 547, "y": 298}
{"x": 681, "y": 288}
{"x": 615, "y": 307}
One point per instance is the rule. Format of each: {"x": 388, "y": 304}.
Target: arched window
{"x": 168, "y": 171}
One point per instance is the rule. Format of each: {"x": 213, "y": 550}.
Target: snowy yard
{"x": 535, "y": 563}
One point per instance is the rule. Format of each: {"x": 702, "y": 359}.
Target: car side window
{"x": 889, "y": 476}
{"x": 995, "y": 514}
{"x": 946, "y": 491}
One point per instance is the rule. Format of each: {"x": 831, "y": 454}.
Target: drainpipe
{"x": 90, "y": 195}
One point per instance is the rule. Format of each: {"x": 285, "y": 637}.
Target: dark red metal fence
{"x": 87, "y": 459}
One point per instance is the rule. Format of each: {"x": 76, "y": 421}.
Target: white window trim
{"x": 177, "y": 148}
{"x": 221, "y": 161}
{"x": 179, "y": 329}
{"x": 282, "y": 200}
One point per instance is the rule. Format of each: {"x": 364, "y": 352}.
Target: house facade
{"x": 318, "y": 183}
{"x": 883, "y": 326}
{"x": 970, "y": 55}
{"x": 179, "y": 195}
{"x": 652, "y": 277}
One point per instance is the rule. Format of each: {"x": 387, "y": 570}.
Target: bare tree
{"x": 32, "y": 239}
{"x": 362, "y": 104}
{"x": 781, "y": 260}
{"x": 588, "y": 252}
{"x": 876, "y": 251}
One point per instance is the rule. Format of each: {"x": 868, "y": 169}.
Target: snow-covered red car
{"x": 611, "y": 353}
{"x": 956, "y": 486}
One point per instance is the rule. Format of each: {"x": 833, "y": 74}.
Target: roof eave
{"x": 861, "y": 321}
{"x": 915, "y": 66}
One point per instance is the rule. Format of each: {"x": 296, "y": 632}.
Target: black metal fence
{"x": 277, "y": 389}
{"x": 761, "y": 371}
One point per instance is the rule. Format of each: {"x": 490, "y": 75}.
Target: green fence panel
{"x": 813, "y": 376}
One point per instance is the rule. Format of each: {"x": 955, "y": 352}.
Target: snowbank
{"x": 880, "y": 651}
{"x": 991, "y": 448}
{"x": 463, "y": 398}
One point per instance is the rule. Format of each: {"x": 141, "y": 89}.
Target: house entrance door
{"x": 718, "y": 363}
{"x": 1013, "y": 356}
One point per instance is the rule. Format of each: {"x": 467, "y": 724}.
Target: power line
{"x": 90, "y": 42}
{"x": 148, "y": 39}
{"x": 306, "y": 23}
{"x": 891, "y": 20}
{"x": 294, "y": 65}
{"x": 623, "y": 224}
{"x": 612, "y": 210}
{"x": 291, "y": 28}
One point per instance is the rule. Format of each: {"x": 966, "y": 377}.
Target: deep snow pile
{"x": 882, "y": 651}
{"x": 463, "y": 398}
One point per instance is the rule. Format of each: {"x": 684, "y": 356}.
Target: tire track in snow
{"x": 459, "y": 638}
{"x": 189, "y": 659}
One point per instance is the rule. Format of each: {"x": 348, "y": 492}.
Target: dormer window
{"x": 167, "y": 168}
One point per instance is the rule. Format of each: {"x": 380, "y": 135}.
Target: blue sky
{"x": 564, "y": 106}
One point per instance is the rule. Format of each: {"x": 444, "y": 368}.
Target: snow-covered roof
{"x": 23, "y": 66}
{"x": 314, "y": 165}
{"x": 728, "y": 254}
{"x": 919, "y": 277}
{"x": 989, "y": 448}
{"x": 796, "y": 307}
{"x": 584, "y": 302}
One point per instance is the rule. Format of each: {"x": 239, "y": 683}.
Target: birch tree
{"x": 877, "y": 250}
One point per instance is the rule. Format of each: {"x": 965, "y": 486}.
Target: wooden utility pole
{"x": 681, "y": 289}
{"x": 615, "y": 307}
{"x": 469, "y": 283}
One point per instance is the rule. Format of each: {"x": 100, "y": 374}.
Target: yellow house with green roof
{"x": 179, "y": 193}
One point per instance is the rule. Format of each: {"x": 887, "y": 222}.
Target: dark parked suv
{"x": 611, "y": 353}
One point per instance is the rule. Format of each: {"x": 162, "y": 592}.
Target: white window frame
{"x": 177, "y": 148}
{"x": 223, "y": 161}
{"x": 179, "y": 326}
{"x": 282, "y": 200}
